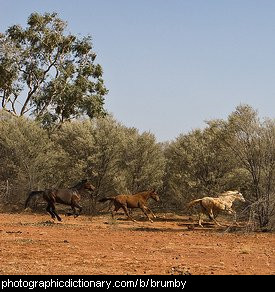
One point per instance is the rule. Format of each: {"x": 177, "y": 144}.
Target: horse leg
{"x": 69, "y": 213}
{"x": 127, "y": 213}
{"x": 49, "y": 210}
{"x": 212, "y": 217}
{"x": 74, "y": 210}
{"x": 79, "y": 209}
{"x": 55, "y": 213}
{"x": 154, "y": 216}
{"x": 200, "y": 219}
{"x": 234, "y": 216}
{"x": 73, "y": 213}
{"x": 144, "y": 210}
{"x": 117, "y": 207}
{"x": 113, "y": 214}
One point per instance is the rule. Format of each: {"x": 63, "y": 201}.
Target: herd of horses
{"x": 211, "y": 206}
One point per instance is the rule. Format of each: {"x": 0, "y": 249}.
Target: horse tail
{"x": 190, "y": 204}
{"x": 105, "y": 199}
{"x": 31, "y": 195}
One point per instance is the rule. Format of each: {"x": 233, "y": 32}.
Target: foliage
{"x": 199, "y": 165}
{"x": 96, "y": 149}
{"x": 252, "y": 144}
{"x": 143, "y": 161}
{"x": 49, "y": 73}
{"x": 28, "y": 157}
{"x": 237, "y": 153}
{"x": 112, "y": 155}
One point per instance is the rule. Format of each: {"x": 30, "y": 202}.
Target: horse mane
{"x": 143, "y": 192}
{"x": 79, "y": 184}
{"x": 228, "y": 193}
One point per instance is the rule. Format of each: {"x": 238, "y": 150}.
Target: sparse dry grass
{"x": 32, "y": 244}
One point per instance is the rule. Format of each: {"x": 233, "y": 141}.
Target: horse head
{"x": 154, "y": 195}
{"x": 235, "y": 194}
{"x": 240, "y": 197}
{"x": 87, "y": 185}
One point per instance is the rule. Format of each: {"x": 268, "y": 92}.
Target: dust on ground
{"x": 34, "y": 244}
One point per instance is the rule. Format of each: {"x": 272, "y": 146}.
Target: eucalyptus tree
{"x": 48, "y": 72}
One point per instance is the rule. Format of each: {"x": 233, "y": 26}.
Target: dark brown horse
{"x": 138, "y": 200}
{"x": 70, "y": 196}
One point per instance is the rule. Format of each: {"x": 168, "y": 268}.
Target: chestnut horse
{"x": 138, "y": 200}
{"x": 70, "y": 196}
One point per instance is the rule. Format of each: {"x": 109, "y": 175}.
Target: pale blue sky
{"x": 169, "y": 65}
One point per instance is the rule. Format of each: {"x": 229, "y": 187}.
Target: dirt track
{"x": 32, "y": 244}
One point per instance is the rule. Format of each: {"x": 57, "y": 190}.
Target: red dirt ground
{"x": 33, "y": 244}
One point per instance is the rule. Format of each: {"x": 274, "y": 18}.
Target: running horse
{"x": 138, "y": 200}
{"x": 70, "y": 196}
{"x": 212, "y": 206}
